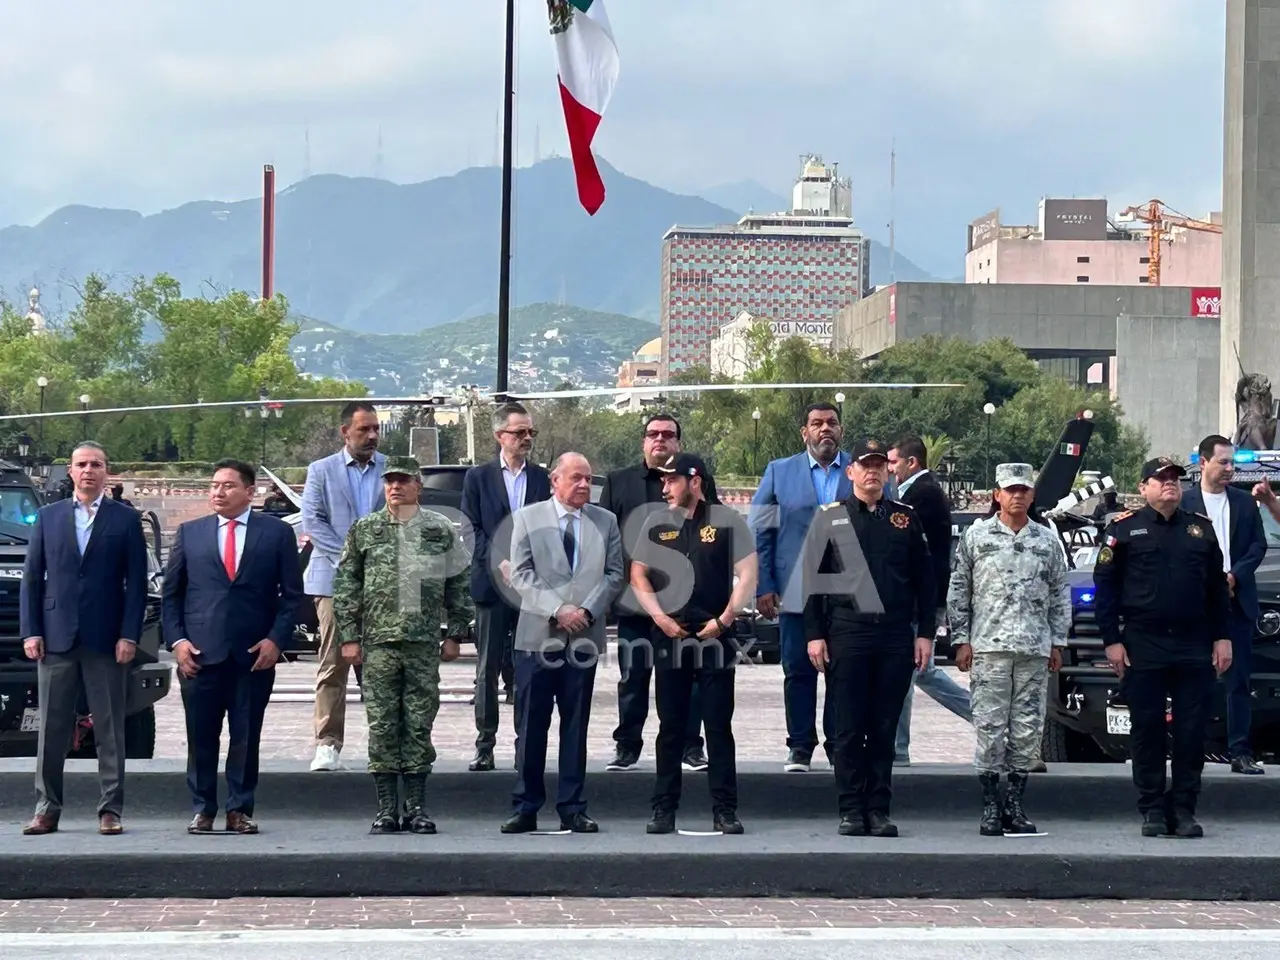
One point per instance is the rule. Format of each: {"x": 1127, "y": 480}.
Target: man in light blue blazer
{"x": 341, "y": 488}
{"x": 790, "y": 492}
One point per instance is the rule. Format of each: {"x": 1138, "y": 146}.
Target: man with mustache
{"x": 340, "y": 489}
{"x": 491, "y": 495}
{"x": 790, "y": 492}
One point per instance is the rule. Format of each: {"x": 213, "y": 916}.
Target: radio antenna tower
{"x": 893, "y": 183}
{"x": 306, "y": 153}
{"x": 537, "y": 143}
{"x": 377, "y": 162}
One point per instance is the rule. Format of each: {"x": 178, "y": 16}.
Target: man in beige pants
{"x": 341, "y": 488}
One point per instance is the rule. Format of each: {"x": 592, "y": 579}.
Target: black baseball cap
{"x": 869, "y": 449}
{"x": 1159, "y": 464}
{"x": 686, "y": 465}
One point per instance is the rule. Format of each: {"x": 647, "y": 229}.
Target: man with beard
{"x": 1010, "y": 606}
{"x": 631, "y": 495}
{"x": 870, "y": 609}
{"x": 340, "y": 489}
{"x": 683, "y": 573}
{"x": 491, "y": 494}
{"x": 1160, "y": 569}
{"x": 791, "y": 491}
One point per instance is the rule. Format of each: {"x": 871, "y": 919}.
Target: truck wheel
{"x": 140, "y": 735}
{"x": 1063, "y": 745}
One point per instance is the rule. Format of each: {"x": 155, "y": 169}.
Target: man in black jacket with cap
{"x": 870, "y": 614}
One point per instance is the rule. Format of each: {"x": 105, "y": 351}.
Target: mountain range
{"x": 550, "y": 344}
{"x": 373, "y": 256}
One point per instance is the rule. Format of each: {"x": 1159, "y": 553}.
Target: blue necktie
{"x": 569, "y": 542}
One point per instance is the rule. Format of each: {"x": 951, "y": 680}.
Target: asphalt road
{"x": 713, "y": 943}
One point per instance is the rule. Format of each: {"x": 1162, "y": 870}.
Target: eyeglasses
{"x": 659, "y": 434}
{"x": 522, "y": 432}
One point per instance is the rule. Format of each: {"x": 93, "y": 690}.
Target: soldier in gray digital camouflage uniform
{"x": 403, "y": 572}
{"x": 1009, "y": 604}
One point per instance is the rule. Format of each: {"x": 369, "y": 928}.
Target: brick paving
{"x": 70, "y": 916}
{"x": 759, "y": 721}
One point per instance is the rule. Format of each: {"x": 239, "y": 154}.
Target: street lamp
{"x": 84, "y": 406}
{"x": 41, "y": 382}
{"x": 755, "y": 448}
{"x": 840, "y": 405}
{"x": 988, "y": 408}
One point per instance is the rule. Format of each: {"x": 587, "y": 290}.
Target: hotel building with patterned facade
{"x": 802, "y": 266}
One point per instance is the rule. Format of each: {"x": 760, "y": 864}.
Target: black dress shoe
{"x": 579, "y": 823}
{"x": 1246, "y": 765}
{"x": 852, "y": 825}
{"x": 624, "y": 758}
{"x": 879, "y": 825}
{"x": 1154, "y": 824}
{"x": 664, "y": 821}
{"x": 520, "y": 823}
{"x": 1184, "y": 826}
{"x": 726, "y": 821}
{"x": 483, "y": 761}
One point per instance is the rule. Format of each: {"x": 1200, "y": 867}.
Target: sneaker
{"x": 326, "y": 758}
{"x": 797, "y": 761}
{"x": 694, "y": 760}
{"x": 624, "y": 759}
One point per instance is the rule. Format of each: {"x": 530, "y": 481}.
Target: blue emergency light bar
{"x": 1245, "y": 456}
{"x": 1081, "y": 596}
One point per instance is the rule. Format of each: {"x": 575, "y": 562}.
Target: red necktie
{"x": 229, "y": 551}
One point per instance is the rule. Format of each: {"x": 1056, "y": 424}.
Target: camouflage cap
{"x": 405, "y": 466}
{"x": 1015, "y": 475}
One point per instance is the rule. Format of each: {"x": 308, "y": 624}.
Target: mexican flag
{"x": 587, "y": 59}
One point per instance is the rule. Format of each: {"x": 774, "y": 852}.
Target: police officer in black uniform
{"x": 683, "y": 574}
{"x": 868, "y": 576}
{"x": 1160, "y": 569}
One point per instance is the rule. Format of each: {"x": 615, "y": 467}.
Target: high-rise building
{"x": 800, "y": 266}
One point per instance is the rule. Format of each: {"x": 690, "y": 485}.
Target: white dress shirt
{"x": 240, "y": 531}
{"x": 85, "y": 515}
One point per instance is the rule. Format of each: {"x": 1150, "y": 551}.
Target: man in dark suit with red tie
{"x": 231, "y": 588}
{"x": 83, "y": 596}
{"x": 491, "y": 493}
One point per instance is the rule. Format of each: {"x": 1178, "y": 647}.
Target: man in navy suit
{"x": 790, "y": 492}
{"x": 491, "y": 494}
{"x": 231, "y": 587}
{"x": 84, "y": 592}
{"x": 1238, "y": 526}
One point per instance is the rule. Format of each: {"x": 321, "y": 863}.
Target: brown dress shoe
{"x": 41, "y": 824}
{"x": 109, "y": 825}
{"x": 200, "y": 823}
{"x": 238, "y": 822}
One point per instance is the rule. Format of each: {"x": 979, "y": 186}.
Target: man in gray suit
{"x": 566, "y": 568}
{"x": 340, "y": 489}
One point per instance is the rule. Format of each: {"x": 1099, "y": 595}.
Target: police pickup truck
{"x": 1088, "y": 719}
{"x": 149, "y": 679}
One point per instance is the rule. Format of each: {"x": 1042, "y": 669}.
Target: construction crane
{"x": 1161, "y": 219}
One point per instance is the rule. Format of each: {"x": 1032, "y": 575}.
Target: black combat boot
{"x": 386, "y": 820}
{"x": 415, "y": 798}
{"x": 990, "y": 805}
{"x": 1015, "y": 820}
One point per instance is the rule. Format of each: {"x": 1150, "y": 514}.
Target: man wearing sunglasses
{"x": 632, "y": 494}
{"x": 491, "y": 494}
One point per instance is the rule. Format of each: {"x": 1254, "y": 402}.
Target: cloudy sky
{"x": 144, "y": 104}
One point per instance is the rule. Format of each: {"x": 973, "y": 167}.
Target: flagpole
{"x": 504, "y": 269}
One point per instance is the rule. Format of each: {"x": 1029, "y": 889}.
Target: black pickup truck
{"x": 1088, "y": 720}
{"x": 19, "y": 718}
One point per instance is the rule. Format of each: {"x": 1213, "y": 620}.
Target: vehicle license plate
{"x": 30, "y": 720}
{"x": 1118, "y": 721}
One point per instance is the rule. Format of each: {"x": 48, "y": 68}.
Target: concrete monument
{"x": 1250, "y": 326}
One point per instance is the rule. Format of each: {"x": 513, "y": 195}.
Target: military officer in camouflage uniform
{"x": 1009, "y": 604}
{"x": 403, "y": 572}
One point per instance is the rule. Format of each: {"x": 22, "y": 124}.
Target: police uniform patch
{"x": 1111, "y": 541}
{"x": 669, "y": 535}
{"x": 900, "y": 520}
{"x": 1105, "y": 555}
{"x": 708, "y": 534}
{"x": 1194, "y": 530}
{"x": 1122, "y": 516}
